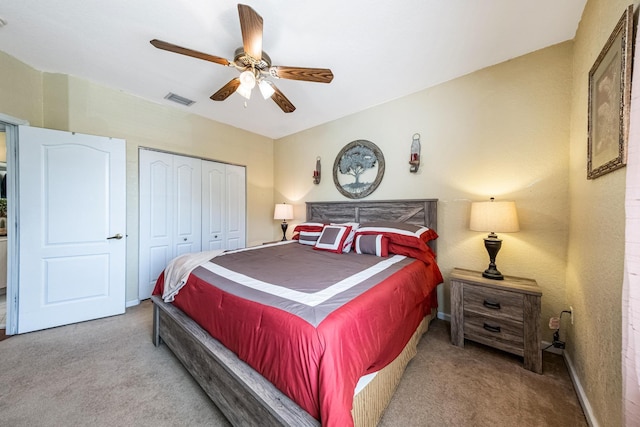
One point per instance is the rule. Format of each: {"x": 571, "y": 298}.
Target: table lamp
{"x": 493, "y": 217}
{"x": 284, "y": 212}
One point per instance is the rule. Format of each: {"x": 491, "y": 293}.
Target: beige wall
{"x": 20, "y": 90}
{"x": 69, "y": 103}
{"x": 501, "y": 132}
{"x": 596, "y": 243}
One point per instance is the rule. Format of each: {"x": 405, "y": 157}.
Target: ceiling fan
{"x": 254, "y": 64}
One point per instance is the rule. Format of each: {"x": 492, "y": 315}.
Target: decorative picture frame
{"x": 609, "y": 101}
{"x": 358, "y": 169}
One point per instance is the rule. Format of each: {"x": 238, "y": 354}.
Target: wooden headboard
{"x": 422, "y": 212}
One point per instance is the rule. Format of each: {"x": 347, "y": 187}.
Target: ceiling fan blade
{"x": 226, "y": 90}
{"x": 251, "y": 25}
{"x": 321, "y": 75}
{"x": 282, "y": 101}
{"x": 188, "y": 52}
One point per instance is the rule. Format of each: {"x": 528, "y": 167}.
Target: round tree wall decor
{"x": 358, "y": 169}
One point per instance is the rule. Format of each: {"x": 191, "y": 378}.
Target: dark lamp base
{"x": 492, "y": 274}
{"x": 492, "y": 244}
{"x": 284, "y": 226}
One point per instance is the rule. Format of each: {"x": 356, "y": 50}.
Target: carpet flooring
{"x": 3, "y": 309}
{"x": 3, "y": 313}
{"x": 108, "y": 373}
{"x": 445, "y": 385}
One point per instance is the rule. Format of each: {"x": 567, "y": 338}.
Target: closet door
{"x": 187, "y": 201}
{"x": 223, "y": 206}
{"x": 156, "y": 218}
{"x": 213, "y": 209}
{"x": 186, "y": 205}
{"x": 236, "y": 213}
{"x": 170, "y": 222}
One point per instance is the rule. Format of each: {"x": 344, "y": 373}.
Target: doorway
{"x": 3, "y": 231}
{"x": 8, "y": 259}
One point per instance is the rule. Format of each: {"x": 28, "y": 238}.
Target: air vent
{"x": 179, "y": 99}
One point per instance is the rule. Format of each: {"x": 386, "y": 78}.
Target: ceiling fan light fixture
{"x": 245, "y": 91}
{"x": 248, "y": 79}
{"x": 247, "y": 83}
{"x": 266, "y": 89}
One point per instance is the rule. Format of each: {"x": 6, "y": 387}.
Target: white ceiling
{"x": 378, "y": 50}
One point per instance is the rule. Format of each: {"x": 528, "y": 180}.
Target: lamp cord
{"x": 556, "y": 334}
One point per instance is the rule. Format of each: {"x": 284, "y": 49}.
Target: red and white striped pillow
{"x": 404, "y": 239}
{"x": 307, "y": 233}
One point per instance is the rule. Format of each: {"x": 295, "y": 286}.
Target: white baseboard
{"x": 444, "y": 316}
{"x": 582, "y": 397}
{"x": 132, "y": 303}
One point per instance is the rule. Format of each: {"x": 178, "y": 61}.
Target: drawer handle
{"x": 491, "y": 304}
{"x": 491, "y": 328}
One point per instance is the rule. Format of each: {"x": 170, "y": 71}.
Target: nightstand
{"x": 504, "y": 314}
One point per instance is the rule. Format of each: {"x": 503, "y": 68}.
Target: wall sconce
{"x": 414, "y": 160}
{"x": 284, "y": 212}
{"x": 493, "y": 216}
{"x": 316, "y": 172}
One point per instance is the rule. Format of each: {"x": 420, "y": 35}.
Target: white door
{"x": 187, "y": 206}
{"x": 235, "y": 207}
{"x": 223, "y": 206}
{"x": 156, "y": 217}
{"x": 72, "y": 251}
{"x": 170, "y": 217}
{"x": 213, "y": 205}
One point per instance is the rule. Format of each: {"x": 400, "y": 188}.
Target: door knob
{"x": 117, "y": 236}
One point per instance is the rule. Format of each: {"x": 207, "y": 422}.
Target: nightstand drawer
{"x": 499, "y": 333}
{"x": 493, "y": 303}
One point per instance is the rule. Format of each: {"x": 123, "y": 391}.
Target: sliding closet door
{"x": 187, "y": 220}
{"x": 223, "y": 206}
{"x": 156, "y": 218}
{"x": 235, "y": 207}
{"x": 213, "y": 205}
{"x": 186, "y": 205}
{"x": 170, "y": 198}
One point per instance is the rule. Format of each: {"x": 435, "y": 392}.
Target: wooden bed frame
{"x": 244, "y": 396}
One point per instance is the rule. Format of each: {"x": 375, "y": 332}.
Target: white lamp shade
{"x": 247, "y": 83}
{"x": 266, "y": 89}
{"x": 244, "y": 91}
{"x": 248, "y": 79}
{"x": 499, "y": 217}
{"x": 283, "y": 211}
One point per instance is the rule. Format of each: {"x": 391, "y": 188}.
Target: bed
{"x": 327, "y": 351}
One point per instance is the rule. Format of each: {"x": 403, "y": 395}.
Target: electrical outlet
{"x": 571, "y": 310}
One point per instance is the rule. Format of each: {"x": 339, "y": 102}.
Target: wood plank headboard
{"x": 422, "y": 212}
